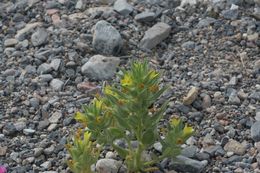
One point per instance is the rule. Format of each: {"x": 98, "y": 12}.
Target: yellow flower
{"x": 153, "y": 74}
{"x": 81, "y": 118}
{"x": 97, "y": 103}
{"x": 127, "y": 80}
{"x": 87, "y": 136}
{"x": 108, "y": 91}
{"x": 175, "y": 121}
{"x": 188, "y": 130}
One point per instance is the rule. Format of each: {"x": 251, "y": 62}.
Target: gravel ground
{"x": 55, "y": 54}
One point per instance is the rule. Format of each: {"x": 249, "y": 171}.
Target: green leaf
{"x": 149, "y": 137}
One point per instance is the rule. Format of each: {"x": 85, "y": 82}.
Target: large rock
{"x": 100, "y": 67}
{"x": 155, "y": 35}
{"x": 106, "y": 39}
{"x": 122, "y": 7}
{"x": 108, "y": 166}
{"x": 255, "y": 131}
{"x": 187, "y": 165}
{"x": 39, "y": 37}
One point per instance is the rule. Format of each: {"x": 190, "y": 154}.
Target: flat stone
{"x": 234, "y": 99}
{"x": 206, "y": 22}
{"x": 106, "y": 39}
{"x": 255, "y": 131}
{"x": 52, "y": 127}
{"x": 44, "y": 68}
{"x": 145, "y": 17}
{"x": 55, "y": 118}
{"x": 185, "y": 164}
{"x": 100, "y": 67}
{"x": 230, "y": 14}
{"x": 236, "y": 147}
{"x": 56, "y": 84}
{"x": 255, "y": 96}
{"x": 189, "y": 151}
{"x": 20, "y": 125}
{"x": 45, "y": 77}
{"x": 38, "y": 151}
{"x": 10, "y": 42}
{"x": 122, "y": 7}
{"x": 108, "y": 165}
{"x": 28, "y": 131}
{"x": 46, "y": 165}
{"x": 55, "y": 64}
{"x": 191, "y": 96}
{"x": 155, "y": 35}
{"x": 40, "y": 37}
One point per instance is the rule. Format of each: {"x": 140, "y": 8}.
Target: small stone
{"x": 188, "y": 2}
{"x": 155, "y": 35}
{"x": 55, "y": 64}
{"x": 110, "y": 155}
{"x": 206, "y": 102}
{"x": 185, "y": 164}
{"x": 206, "y": 22}
{"x": 233, "y": 81}
{"x": 44, "y": 68}
{"x": 233, "y": 99}
{"x": 189, "y": 151}
{"x": 158, "y": 146}
{"x": 108, "y": 165}
{"x": 234, "y": 146}
{"x": 20, "y": 125}
{"x": 38, "y": 152}
{"x": 10, "y": 42}
{"x": 56, "y": 84}
{"x": 255, "y": 131}
{"x": 49, "y": 150}
{"x": 106, "y": 39}
{"x": 100, "y": 67}
{"x": 55, "y": 118}
{"x": 34, "y": 102}
{"x": 145, "y": 17}
{"x": 45, "y": 77}
{"x": 40, "y": 37}
{"x": 46, "y": 165}
{"x": 3, "y": 150}
{"x": 253, "y": 37}
{"x": 28, "y": 27}
{"x": 9, "y": 129}
{"x": 122, "y": 7}
{"x": 52, "y": 127}
{"x": 28, "y": 131}
{"x": 188, "y": 45}
{"x": 257, "y": 116}
{"x": 255, "y": 96}
{"x": 80, "y": 5}
{"x": 230, "y": 14}
{"x": 191, "y": 96}
{"x": 43, "y": 124}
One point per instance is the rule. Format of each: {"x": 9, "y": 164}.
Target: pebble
{"x": 3, "y": 150}
{"x": 108, "y": 165}
{"x": 28, "y": 131}
{"x": 44, "y": 68}
{"x": 191, "y": 96}
{"x": 40, "y": 37}
{"x": 57, "y": 84}
{"x": 28, "y": 27}
{"x": 235, "y": 147}
{"x": 255, "y": 131}
{"x": 145, "y": 16}
{"x": 122, "y": 7}
{"x": 10, "y": 42}
{"x": 155, "y": 35}
{"x": 106, "y": 39}
{"x": 55, "y": 117}
{"x": 100, "y": 67}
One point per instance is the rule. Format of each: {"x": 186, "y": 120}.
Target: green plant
{"x": 127, "y": 112}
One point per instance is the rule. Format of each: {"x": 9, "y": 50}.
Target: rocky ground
{"x": 54, "y": 54}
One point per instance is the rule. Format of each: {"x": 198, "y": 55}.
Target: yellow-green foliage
{"x": 127, "y": 112}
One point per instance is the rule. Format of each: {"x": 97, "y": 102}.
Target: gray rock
{"x": 45, "y": 77}
{"x": 257, "y": 116}
{"x": 28, "y": 131}
{"x": 122, "y": 7}
{"x": 10, "y": 42}
{"x": 46, "y": 165}
{"x": 55, "y": 64}
{"x": 34, "y": 102}
{"x": 55, "y": 118}
{"x": 234, "y": 99}
{"x": 9, "y": 129}
{"x": 211, "y": 150}
{"x": 189, "y": 151}
{"x": 155, "y": 35}
{"x": 56, "y": 84}
{"x": 255, "y": 96}
{"x": 206, "y": 22}
{"x": 256, "y": 13}
{"x": 108, "y": 165}
{"x": 38, "y": 151}
{"x": 158, "y": 146}
{"x": 80, "y": 4}
{"x": 106, "y": 39}
{"x": 145, "y": 17}
{"x": 43, "y": 124}
{"x": 187, "y": 165}
{"x": 188, "y": 45}
{"x": 230, "y": 14}
{"x": 100, "y": 67}
{"x": 255, "y": 131}
{"x": 40, "y": 37}
{"x": 49, "y": 150}
{"x": 30, "y": 69}
{"x": 28, "y": 27}
{"x": 44, "y": 68}
{"x": 20, "y": 125}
